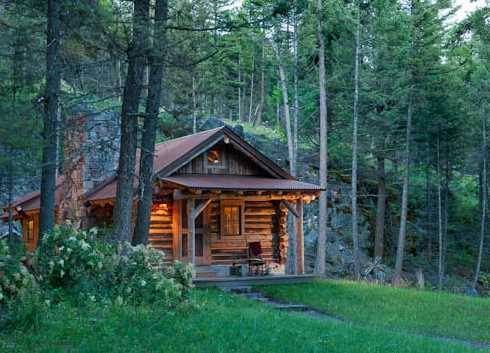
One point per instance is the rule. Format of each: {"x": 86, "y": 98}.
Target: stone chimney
{"x": 91, "y": 152}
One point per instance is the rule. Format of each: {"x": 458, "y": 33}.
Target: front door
{"x": 201, "y": 238}
{"x": 201, "y": 241}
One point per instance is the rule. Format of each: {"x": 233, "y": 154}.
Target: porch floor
{"x": 202, "y": 282}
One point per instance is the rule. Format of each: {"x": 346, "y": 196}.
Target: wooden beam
{"x": 300, "y": 244}
{"x": 227, "y": 196}
{"x": 198, "y": 209}
{"x": 290, "y": 207}
{"x": 191, "y": 233}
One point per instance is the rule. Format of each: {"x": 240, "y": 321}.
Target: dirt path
{"x": 303, "y": 310}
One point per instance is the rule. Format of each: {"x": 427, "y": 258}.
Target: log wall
{"x": 162, "y": 229}
{"x": 261, "y": 223}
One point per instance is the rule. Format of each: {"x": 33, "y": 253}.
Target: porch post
{"x": 300, "y": 244}
{"x": 191, "y": 232}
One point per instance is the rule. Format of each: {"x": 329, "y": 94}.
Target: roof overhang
{"x": 239, "y": 183}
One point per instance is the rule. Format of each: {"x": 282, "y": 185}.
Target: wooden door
{"x": 201, "y": 238}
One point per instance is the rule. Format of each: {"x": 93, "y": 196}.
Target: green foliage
{"x": 15, "y": 279}
{"x": 21, "y": 300}
{"x": 67, "y": 257}
{"x": 76, "y": 262}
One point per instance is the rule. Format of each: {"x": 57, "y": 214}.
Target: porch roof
{"x": 242, "y": 183}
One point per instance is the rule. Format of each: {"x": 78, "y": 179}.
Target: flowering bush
{"x": 15, "y": 279}
{"x": 67, "y": 256}
{"x": 140, "y": 274}
{"x": 96, "y": 270}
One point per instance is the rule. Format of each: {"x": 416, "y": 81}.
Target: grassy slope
{"x": 400, "y": 309}
{"x": 221, "y": 323}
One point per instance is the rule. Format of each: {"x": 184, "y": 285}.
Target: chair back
{"x": 254, "y": 249}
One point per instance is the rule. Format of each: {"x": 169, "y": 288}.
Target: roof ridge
{"x": 191, "y": 135}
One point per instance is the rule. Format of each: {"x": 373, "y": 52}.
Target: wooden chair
{"x": 256, "y": 264}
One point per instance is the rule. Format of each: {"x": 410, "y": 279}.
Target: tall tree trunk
{"x": 129, "y": 122}
{"x": 146, "y": 177}
{"x": 322, "y": 219}
{"x": 483, "y": 197}
{"x": 439, "y": 215}
{"x": 250, "y": 108}
{"x": 428, "y": 207}
{"x": 292, "y": 157}
{"x": 355, "y": 232}
{"x": 381, "y": 208}
{"x": 50, "y": 146}
{"x": 285, "y": 104}
{"x": 10, "y": 187}
{"x": 404, "y": 206}
{"x": 194, "y": 104}
{"x": 239, "y": 87}
{"x": 295, "y": 83}
{"x": 258, "y": 120}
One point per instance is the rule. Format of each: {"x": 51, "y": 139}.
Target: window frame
{"x": 221, "y": 164}
{"x": 232, "y": 203}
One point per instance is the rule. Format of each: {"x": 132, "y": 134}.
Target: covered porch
{"x": 236, "y": 226}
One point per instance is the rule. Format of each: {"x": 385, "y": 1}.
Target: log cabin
{"x": 217, "y": 203}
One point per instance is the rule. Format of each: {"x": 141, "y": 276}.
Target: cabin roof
{"x": 172, "y": 154}
{"x": 238, "y": 182}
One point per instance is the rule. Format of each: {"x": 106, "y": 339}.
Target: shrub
{"x": 67, "y": 257}
{"x": 140, "y": 274}
{"x": 21, "y": 302}
{"x": 15, "y": 279}
{"x": 78, "y": 263}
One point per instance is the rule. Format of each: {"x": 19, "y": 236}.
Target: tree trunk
{"x": 150, "y": 125}
{"x": 439, "y": 216}
{"x": 239, "y": 87}
{"x": 483, "y": 192}
{"x": 404, "y": 207}
{"x": 50, "y": 146}
{"x": 129, "y": 127}
{"x": 322, "y": 228}
{"x": 295, "y": 84}
{"x": 428, "y": 207}
{"x": 292, "y": 157}
{"x": 10, "y": 186}
{"x": 194, "y": 104}
{"x": 355, "y": 232}
{"x": 250, "y": 108}
{"x": 258, "y": 120}
{"x": 287, "y": 118}
{"x": 381, "y": 209}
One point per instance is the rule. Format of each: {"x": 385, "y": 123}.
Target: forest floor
{"x": 220, "y": 322}
{"x": 438, "y": 314}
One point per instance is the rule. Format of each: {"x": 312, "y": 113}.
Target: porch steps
{"x": 255, "y": 295}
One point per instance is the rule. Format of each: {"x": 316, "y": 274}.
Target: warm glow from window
{"x": 214, "y": 157}
{"x": 231, "y": 220}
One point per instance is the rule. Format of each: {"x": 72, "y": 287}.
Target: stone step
{"x": 291, "y": 307}
{"x": 241, "y": 290}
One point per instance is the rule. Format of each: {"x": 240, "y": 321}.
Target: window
{"x": 231, "y": 218}
{"x": 215, "y": 159}
{"x": 30, "y": 230}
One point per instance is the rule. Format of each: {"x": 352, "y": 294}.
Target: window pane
{"x": 231, "y": 220}
{"x": 199, "y": 241}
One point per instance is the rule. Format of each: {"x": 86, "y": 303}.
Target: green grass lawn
{"x": 430, "y": 313}
{"x": 218, "y": 323}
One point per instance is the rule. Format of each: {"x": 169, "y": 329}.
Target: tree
{"x": 129, "y": 122}
{"x": 146, "y": 178}
{"x": 51, "y": 117}
{"x": 355, "y": 232}
{"x": 322, "y": 233}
